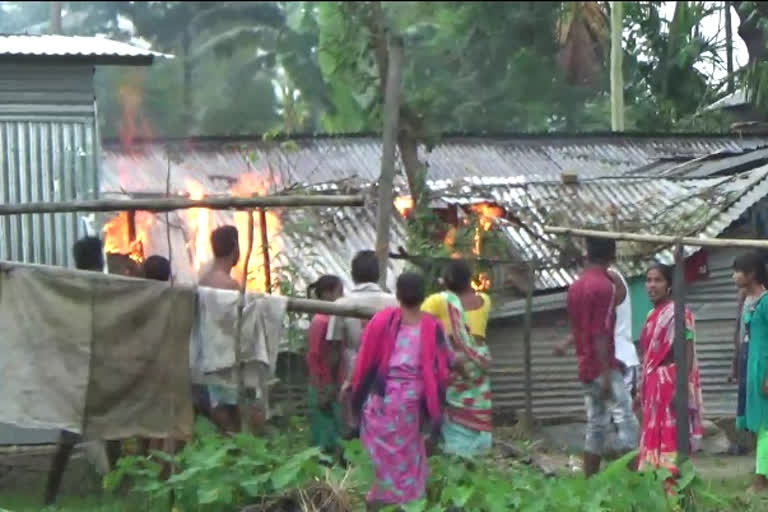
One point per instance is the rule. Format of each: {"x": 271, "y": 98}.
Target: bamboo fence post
{"x": 242, "y": 402}
{"x": 164, "y": 204}
{"x": 527, "y": 321}
{"x": 265, "y": 251}
{"x": 681, "y": 359}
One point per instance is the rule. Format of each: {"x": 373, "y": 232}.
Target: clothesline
{"x": 294, "y": 304}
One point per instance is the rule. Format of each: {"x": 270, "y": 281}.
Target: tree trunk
{"x": 617, "y": 80}
{"x": 750, "y": 29}
{"x": 389, "y": 140}
{"x": 729, "y": 47}
{"x": 55, "y": 27}
{"x": 187, "y": 115}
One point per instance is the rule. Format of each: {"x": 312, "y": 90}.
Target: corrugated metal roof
{"x": 703, "y": 207}
{"x": 99, "y": 49}
{"x": 528, "y": 158}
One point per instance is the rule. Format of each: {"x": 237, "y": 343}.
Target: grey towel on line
{"x": 93, "y": 354}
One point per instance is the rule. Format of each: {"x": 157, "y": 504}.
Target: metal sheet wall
{"x": 48, "y": 152}
{"x": 556, "y": 392}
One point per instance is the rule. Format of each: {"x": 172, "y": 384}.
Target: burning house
{"x": 637, "y": 184}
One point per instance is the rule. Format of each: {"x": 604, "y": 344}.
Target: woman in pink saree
{"x": 399, "y": 386}
{"x": 658, "y": 441}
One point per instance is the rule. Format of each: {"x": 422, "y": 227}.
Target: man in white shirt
{"x": 625, "y": 350}
{"x": 348, "y": 331}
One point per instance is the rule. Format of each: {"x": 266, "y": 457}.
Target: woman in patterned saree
{"x": 399, "y": 387}
{"x": 658, "y": 440}
{"x": 467, "y": 428}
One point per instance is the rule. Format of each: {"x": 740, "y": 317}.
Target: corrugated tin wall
{"x": 556, "y": 391}
{"x": 713, "y": 302}
{"x": 48, "y": 152}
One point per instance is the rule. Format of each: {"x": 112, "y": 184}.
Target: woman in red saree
{"x": 658, "y": 441}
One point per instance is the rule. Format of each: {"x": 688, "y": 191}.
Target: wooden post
{"x": 527, "y": 321}
{"x": 131, "y": 226}
{"x": 617, "y": 79}
{"x": 242, "y": 402}
{"x": 389, "y": 140}
{"x": 55, "y": 21}
{"x": 729, "y": 47}
{"x": 681, "y": 359}
{"x": 265, "y": 251}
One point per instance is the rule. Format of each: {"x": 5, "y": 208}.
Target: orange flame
{"x": 117, "y": 239}
{"x": 486, "y": 214}
{"x": 404, "y": 204}
{"x": 199, "y": 220}
{"x": 249, "y": 185}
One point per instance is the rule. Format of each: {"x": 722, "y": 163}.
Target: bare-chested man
{"x": 217, "y": 402}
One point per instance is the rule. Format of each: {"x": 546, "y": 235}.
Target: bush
{"x": 281, "y": 473}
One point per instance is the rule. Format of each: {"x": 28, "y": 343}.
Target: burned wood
{"x": 265, "y": 251}
{"x": 164, "y": 204}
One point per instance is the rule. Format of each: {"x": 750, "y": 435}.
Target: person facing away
{"x": 221, "y": 400}
{"x": 592, "y": 315}
{"x": 226, "y": 253}
{"x": 325, "y": 417}
{"x": 157, "y": 268}
{"x": 749, "y": 274}
{"x": 658, "y": 442}
{"x": 88, "y": 255}
{"x": 625, "y": 350}
{"x": 347, "y": 331}
{"x": 399, "y": 385}
{"x": 467, "y": 428}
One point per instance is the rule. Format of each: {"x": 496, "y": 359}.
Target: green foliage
{"x": 223, "y": 473}
{"x": 217, "y": 473}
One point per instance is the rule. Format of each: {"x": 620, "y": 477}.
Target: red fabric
{"x": 377, "y": 344}
{"x": 592, "y": 314}
{"x": 658, "y": 441}
{"x": 319, "y": 355}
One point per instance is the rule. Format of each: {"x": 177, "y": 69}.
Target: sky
{"x": 714, "y": 26}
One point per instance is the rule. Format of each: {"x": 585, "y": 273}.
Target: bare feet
{"x": 759, "y": 485}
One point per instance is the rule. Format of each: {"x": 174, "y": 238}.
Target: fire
{"x": 199, "y": 219}
{"x": 117, "y": 235}
{"x": 486, "y": 214}
{"x": 249, "y": 185}
{"x": 404, "y": 205}
{"x": 482, "y": 282}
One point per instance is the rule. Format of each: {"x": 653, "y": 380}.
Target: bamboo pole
{"x": 617, "y": 78}
{"x": 527, "y": 321}
{"x": 389, "y": 141}
{"x": 293, "y": 304}
{"x": 265, "y": 251}
{"x": 681, "y": 359}
{"x": 242, "y": 402}
{"x": 660, "y": 239}
{"x": 162, "y": 204}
